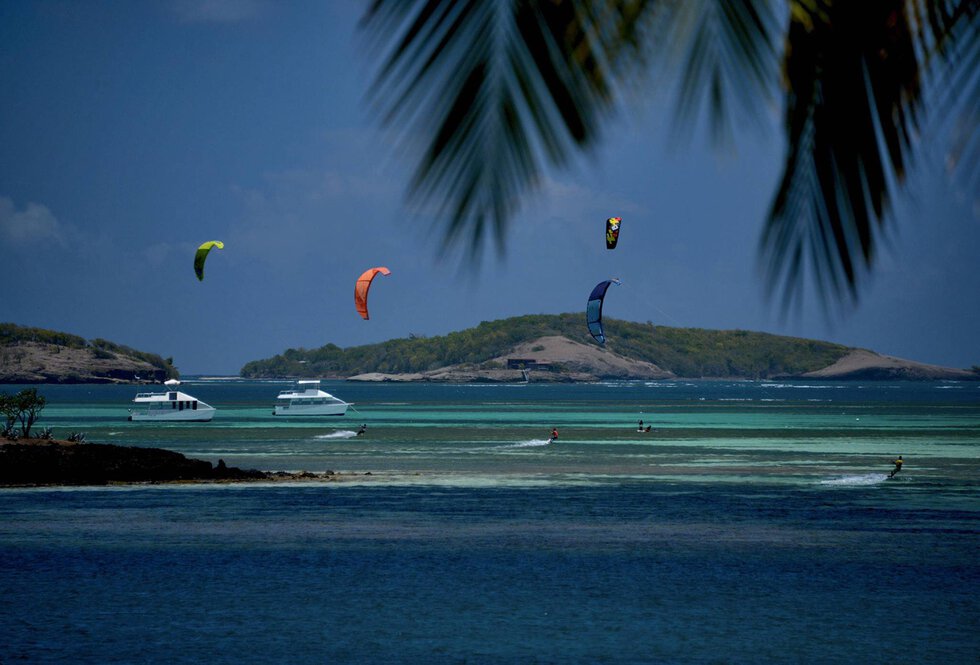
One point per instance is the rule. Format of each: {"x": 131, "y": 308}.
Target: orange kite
{"x": 362, "y": 286}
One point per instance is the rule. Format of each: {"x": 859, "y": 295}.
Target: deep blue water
{"x": 751, "y": 528}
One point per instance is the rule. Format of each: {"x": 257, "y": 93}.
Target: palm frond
{"x": 854, "y": 79}
{"x": 497, "y": 89}
{"x": 722, "y": 52}
{"x": 950, "y": 40}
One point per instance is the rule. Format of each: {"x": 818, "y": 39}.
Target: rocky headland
{"x": 36, "y": 355}
{"x": 31, "y": 362}
{"x": 861, "y": 364}
{"x": 34, "y": 462}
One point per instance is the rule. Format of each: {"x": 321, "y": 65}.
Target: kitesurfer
{"x": 898, "y": 467}
{"x": 639, "y": 427}
{"x": 362, "y": 429}
{"x": 554, "y": 433}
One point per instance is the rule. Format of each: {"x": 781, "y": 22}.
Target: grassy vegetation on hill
{"x": 690, "y": 352}
{"x": 11, "y": 333}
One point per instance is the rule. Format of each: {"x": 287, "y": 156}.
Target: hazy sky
{"x": 132, "y": 132}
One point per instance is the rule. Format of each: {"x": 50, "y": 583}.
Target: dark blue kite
{"x": 593, "y": 311}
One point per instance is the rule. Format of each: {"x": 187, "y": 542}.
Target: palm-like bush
{"x": 498, "y": 90}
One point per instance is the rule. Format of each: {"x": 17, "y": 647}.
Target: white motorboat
{"x": 306, "y": 399}
{"x": 170, "y": 406}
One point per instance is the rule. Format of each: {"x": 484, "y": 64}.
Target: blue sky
{"x": 132, "y": 132}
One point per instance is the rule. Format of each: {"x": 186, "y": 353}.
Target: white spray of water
{"x": 533, "y": 443}
{"x": 865, "y": 479}
{"x": 339, "y": 434}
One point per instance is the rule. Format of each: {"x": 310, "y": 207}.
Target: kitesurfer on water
{"x": 554, "y": 433}
{"x": 639, "y": 427}
{"x": 898, "y": 467}
{"x": 362, "y": 429}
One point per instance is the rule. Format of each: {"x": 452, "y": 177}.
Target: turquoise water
{"x": 753, "y": 524}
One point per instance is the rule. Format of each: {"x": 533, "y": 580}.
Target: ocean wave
{"x": 804, "y": 386}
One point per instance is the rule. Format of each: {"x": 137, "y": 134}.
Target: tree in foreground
{"x": 24, "y": 408}
{"x": 499, "y": 90}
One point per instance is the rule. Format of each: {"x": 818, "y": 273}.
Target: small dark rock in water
{"x": 223, "y": 472}
{"x": 368, "y": 473}
{"x": 306, "y": 474}
{"x": 328, "y": 472}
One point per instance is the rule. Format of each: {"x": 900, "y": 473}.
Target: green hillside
{"x": 688, "y": 352}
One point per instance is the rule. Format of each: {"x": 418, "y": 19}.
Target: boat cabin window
{"x": 171, "y": 396}
{"x": 194, "y": 405}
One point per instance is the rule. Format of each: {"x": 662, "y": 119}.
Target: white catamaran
{"x": 170, "y": 406}
{"x": 306, "y": 399}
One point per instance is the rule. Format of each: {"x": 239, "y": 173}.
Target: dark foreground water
{"x": 755, "y": 524}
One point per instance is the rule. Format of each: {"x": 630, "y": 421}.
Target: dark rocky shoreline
{"x": 37, "y": 462}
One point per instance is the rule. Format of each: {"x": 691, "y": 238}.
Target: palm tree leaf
{"x": 853, "y": 73}
{"x": 951, "y": 32}
{"x": 497, "y": 90}
{"x": 721, "y": 52}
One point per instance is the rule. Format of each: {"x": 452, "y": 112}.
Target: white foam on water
{"x": 533, "y": 443}
{"x": 339, "y": 434}
{"x": 865, "y": 479}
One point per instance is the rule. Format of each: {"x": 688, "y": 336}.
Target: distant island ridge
{"x": 558, "y": 348}
{"x": 536, "y": 348}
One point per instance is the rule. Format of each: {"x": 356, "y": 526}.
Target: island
{"x": 547, "y": 348}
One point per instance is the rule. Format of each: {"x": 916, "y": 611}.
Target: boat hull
{"x": 186, "y": 416}
{"x": 310, "y": 410}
